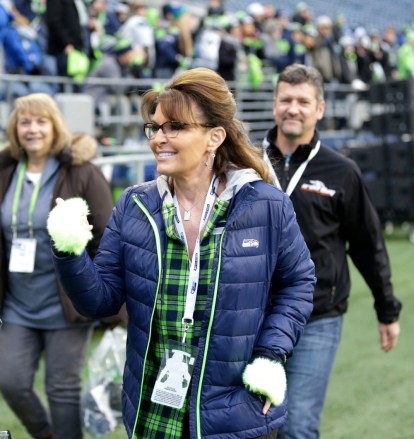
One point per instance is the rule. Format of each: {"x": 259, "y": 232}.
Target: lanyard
{"x": 298, "y": 174}
{"x": 16, "y": 199}
{"x": 194, "y": 275}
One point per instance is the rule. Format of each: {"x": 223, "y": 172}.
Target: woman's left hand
{"x": 267, "y": 406}
{"x": 83, "y": 218}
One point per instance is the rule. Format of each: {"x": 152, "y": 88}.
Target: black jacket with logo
{"x": 337, "y": 217}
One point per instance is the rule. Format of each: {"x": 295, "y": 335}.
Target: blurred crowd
{"x": 135, "y": 39}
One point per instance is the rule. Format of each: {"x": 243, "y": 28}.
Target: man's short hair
{"x": 296, "y": 74}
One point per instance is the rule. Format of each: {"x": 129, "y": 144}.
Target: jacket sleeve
{"x": 362, "y": 229}
{"x": 99, "y": 198}
{"x": 291, "y": 300}
{"x": 96, "y": 288}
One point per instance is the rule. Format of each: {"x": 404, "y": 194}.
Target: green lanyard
{"x": 16, "y": 199}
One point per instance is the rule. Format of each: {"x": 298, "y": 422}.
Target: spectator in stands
{"x": 230, "y": 52}
{"x": 40, "y": 162}
{"x": 406, "y": 57}
{"x": 34, "y": 15}
{"x": 257, "y": 11}
{"x": 9, "y": 14}
{"x": 337, "y": 219}
{"x": 325, "y": 54}
{"x": 364, "y": 55}
{"x": 173, "y": 41}
{"x": 269, "y": 12}
{"x": 122, "y": 11}
{"x": 215, "y": 7}
{"x": 349, "y": 64}
{"x": 119, "y": 60}
{"x": 23, "y": 54}
{"x": 66, "y": 23}
{"x": 278, "y": 49}
{"x": 282, "y": 18}
{"x": 340, "y": 27}
{"x": 297, "y": 36}
{"x": 239, "y": 319}
{"x": 391, "y": 46}
{"x": 207, "y": 40}
{"x": 380, "y": 65}
{"x": 101, "y": 19}
{"x": 138, "y": 29}
{"x": 178, "y": 17}
{"x": 252, "y": 37}
{"x": 24, "y": 7}
{"x": 303, "y": 14}
{"x": 309, "y": 41}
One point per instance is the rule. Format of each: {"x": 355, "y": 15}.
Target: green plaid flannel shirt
{"x": 157, "y": 421}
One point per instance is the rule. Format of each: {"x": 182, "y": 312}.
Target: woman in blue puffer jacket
{"x": 212, "y": 266}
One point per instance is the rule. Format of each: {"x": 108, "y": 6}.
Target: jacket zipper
{"x": 158, "y": 244}
{"x": 286, "y": 168}
{"x": 210, "y": 324}
{"x": 333, "y": 292}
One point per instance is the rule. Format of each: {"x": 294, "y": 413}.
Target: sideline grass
{"x": 370, "y": 393}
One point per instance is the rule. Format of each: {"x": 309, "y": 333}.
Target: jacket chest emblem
{"x": 250, "y": 243}
{"x": 318, "y": 187}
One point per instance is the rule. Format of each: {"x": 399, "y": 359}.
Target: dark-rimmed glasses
{"x": 170, "y": 128}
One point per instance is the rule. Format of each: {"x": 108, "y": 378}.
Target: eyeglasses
{"x": 170, "y": 129}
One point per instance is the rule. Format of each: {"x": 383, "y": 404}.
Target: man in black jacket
{"x": 337, "y": 218}
{"x": 66, "y": 21}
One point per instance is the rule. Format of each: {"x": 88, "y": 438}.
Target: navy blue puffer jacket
{"x": 259, "y": 300}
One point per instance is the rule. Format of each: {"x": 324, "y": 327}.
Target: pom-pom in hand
{"x": 68, "y": 225}
{"x": 267, "y": 378}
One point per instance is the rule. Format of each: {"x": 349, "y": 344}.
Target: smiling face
{"x": 35, "y": 134}
{"x": 184, "y": 156}
{"x": 297, "y": 110}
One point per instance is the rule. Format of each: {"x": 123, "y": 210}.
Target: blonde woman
{"x": 42, "y": 161}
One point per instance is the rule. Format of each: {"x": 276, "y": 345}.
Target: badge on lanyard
{"x": 173, "y": 380}
{"x": 23, "y": 250}
{"x": 22, "y": 256}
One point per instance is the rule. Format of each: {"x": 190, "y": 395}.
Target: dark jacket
{"x": 258, "y": 301}
{"x": 337, "y": 217}
{"x": 78, "y": 177}
{"x": 63, "y": 26}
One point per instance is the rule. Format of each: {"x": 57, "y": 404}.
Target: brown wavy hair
{"x": 201, "y": 92}
{"x": 39, "y": 104}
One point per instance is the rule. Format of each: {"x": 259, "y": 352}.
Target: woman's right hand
{"x": 68, "y": 225}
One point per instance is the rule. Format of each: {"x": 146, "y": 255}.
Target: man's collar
{"x": 271, "y": 138}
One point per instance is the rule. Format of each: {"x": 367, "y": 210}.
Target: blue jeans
{"x": 64, "y": 352}
{"x": 308, "y": 371}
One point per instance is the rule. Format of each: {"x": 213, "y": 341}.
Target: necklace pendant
{"x": 187, "y": 215}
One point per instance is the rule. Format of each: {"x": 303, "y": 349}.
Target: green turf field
{"x": 371, "y": 393}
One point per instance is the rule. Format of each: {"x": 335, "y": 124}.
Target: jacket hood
{"x": 83, "y": 148}
{"x": 236, "y": 179}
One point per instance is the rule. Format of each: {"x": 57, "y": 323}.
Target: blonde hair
{"x": 40, "y": 104}
{"x": 204, "y": 91}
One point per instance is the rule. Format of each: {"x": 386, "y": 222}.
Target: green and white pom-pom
{"x": 267, "y": 378}
{"x": 67, "y": 228}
